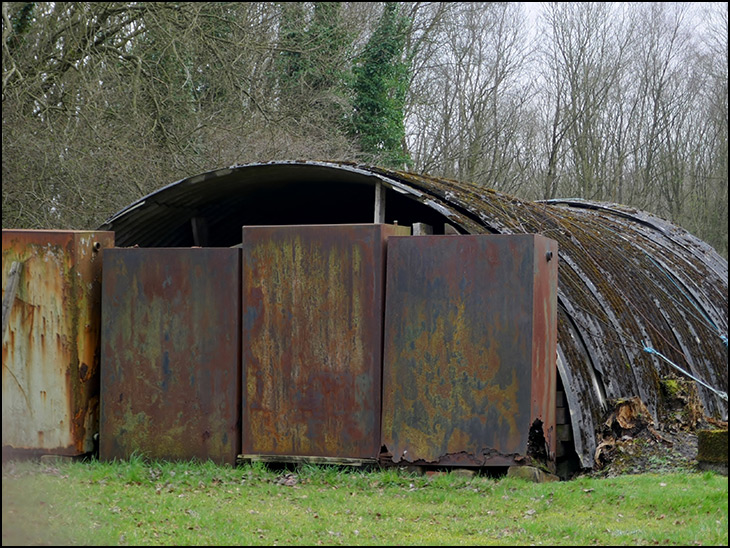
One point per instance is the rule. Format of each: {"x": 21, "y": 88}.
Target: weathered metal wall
{"x": 50, "y": 352}
{"x": 312, "y": 335}
{"x": 469, "y": 352}
{"x": 170, "y": 377}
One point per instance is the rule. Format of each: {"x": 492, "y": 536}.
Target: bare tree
{"x": 583, "y": 61}
{"x": 466, "y": 97}
{"x": 106, "y": 102}
{"x": 706, "y": 211}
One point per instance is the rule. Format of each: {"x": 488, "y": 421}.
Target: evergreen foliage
{"x": 314, "y": 61}
{"x": 381, "y": 85}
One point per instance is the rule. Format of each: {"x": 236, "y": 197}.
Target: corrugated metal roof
{"x": 628, "y": 281}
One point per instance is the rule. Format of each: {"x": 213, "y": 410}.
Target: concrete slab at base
{"x": 712, "y": 450}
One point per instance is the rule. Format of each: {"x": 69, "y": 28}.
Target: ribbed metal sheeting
{"x": 628, "y": 281}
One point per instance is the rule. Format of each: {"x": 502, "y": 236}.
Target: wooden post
{"x": 422, "y": 229}
{"x": 450, "y": 229}
{"x": 12, "y": 286}
{"x": 379, "y": 203}
{"x": 200, "y": 231}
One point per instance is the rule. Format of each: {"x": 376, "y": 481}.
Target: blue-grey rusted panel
{"x": 170, "y": 383}
{"x": 470, "y": 349}
{"x": 51, "y": 350}
{"x": 312, "y": 332}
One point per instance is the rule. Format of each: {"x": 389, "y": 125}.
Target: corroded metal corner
{"x": 50, "y": 351}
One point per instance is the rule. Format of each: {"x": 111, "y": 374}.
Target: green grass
{"x": 163, "y": 503}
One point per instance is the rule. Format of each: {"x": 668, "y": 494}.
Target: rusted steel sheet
{"x": 312, "y": 334}
{"x": 170, "y": 382}
{"x": 470, "y": 340}
{"x": 50, "y": 352}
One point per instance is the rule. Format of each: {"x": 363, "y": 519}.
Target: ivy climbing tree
{"x": 380, "y": 89}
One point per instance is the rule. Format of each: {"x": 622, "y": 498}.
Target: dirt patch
{"x": 673, "y": 452}
{"x": 631, "y": 442}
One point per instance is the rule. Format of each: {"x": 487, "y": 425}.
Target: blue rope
{"x": 650, "y": 350}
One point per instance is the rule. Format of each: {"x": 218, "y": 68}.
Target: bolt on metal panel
{"x": 170, "y": 383}
{"x": 50, "y": 351}
{"x": 312, "y": 335}
{"x": 469, "y": 367}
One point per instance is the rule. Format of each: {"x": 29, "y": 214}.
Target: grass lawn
{"x": 161, "y": 503}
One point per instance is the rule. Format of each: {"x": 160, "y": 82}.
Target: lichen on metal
{"x": 627, "y": 279}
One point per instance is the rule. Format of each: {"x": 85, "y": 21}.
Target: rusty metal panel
{"x": 469, "y": 366}
{"x": 170, "y": 382}
{"x": 312, "y": 335}
{"x": 50, "y": 351}
{"x": 543, "y": 380}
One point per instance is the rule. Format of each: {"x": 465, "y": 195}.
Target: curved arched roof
{"x": 636, "y": 294}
